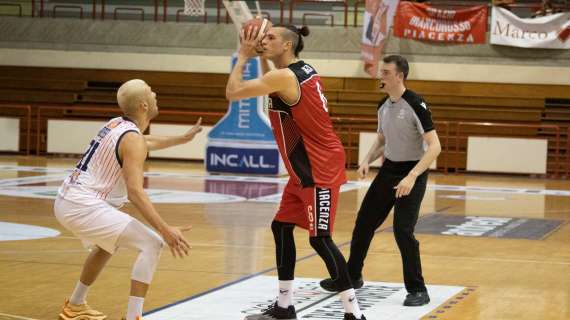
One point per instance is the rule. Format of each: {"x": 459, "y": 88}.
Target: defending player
{"x": 111, "y": 171}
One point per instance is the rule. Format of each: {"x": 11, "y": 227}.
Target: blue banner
{"x": 242, "y": 141}
{"x": 245, "y": 119}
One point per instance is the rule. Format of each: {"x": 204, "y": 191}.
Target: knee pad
{"x": 147, "y": 261}
{"x": 149, "y": 245}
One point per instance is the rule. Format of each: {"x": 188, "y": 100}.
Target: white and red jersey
{"x": 312, "y": 152}
{"x": 98, "y": 174}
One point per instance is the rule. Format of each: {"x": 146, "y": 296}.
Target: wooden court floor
{"x": 504, "y": 278}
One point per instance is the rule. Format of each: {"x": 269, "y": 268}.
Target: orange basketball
{"x": 257, "y": 22}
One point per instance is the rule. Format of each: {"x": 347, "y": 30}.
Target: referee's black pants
{"x": 377, "y": 203}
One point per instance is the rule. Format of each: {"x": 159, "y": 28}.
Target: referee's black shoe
{"x": 350, "y": 316}
{"x": 416, "y": 299}
{"x": 331, "y": 285}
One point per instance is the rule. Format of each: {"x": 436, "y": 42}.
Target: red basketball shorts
{"x": 311, "y": 208}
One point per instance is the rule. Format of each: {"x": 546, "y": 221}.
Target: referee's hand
{"x": 405, "y": 186}
{"x": 363, "y": 170}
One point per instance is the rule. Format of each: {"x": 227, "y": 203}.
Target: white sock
{"x": 79, "y": 294}
{"x": 135, "y": 307}
{"x": 350, "y": 303}
{"x": 285, "y": 294}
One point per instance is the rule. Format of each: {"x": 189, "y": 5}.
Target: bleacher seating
{"x": 354, "y": 98}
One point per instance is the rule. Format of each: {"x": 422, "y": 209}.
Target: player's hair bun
{"x": 304, "y": 31}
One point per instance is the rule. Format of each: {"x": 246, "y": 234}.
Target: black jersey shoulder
{"x": 302, "y": 70}
{"x": 420, "y": 108}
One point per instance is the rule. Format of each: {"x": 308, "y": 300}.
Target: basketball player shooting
{"x": 110, "y": 172}
{"x": 312, "y": 153}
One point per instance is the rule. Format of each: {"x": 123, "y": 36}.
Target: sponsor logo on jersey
{"x": 307, "y": 68}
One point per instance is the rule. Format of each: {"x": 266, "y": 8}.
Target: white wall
{"x": 509, "y": 155}
{"x": 195, "y": 149}
{"x": 9, "y": 134}
{"x": 327, "y": 67}
{"x": 73, "y": 137}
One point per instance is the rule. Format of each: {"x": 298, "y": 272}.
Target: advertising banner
{"x": 378, "y": 18}
{"x": 242, "y": 141}
{"x": 549, "y": 32}
{"x": 422, "y": 22}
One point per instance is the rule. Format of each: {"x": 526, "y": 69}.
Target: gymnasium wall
{"x": 135, "y": 45}
{"x": 206, "y": 48}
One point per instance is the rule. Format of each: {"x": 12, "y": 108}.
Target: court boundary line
{"x": 16, "y": 316}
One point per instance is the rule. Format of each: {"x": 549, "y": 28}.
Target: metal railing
{"x": 164, "y": 4}
{"x": 352, "y": 127}
{"x": 16, "y": 5}
{"x": 59, "y": 6}
{"x": 344, "y": 3}
{"x": 348, "y": 127}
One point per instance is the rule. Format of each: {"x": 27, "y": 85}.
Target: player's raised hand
{"x": 196, "y": 128}
{"x": 251, "y": 34}
{"x": 249, "y": 43}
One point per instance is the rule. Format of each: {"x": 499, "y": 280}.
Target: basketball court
{"x": 492, "y": 247}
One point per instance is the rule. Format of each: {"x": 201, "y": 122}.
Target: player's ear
{"x": 288, "y": 45}
{"x": 143, "y": 105}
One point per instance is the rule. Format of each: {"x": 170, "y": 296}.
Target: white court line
{"x": 30, "y": 180}
{"x": 43, "y": 251}
{"x": 283, "y": 180}
{"x": 16, "y": 317}
{"x": 562, "y": 263}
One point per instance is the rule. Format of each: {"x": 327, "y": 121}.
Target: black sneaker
{"x": 273, "y": 312}
{"x": 350, "y": 316}
{"x": 330, "y": 285}
{"x": 416, "y": 299}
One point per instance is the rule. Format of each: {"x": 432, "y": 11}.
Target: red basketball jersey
{"x": 312, "y": 152}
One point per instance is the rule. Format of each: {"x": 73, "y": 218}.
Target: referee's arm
{"x": 376, "y": 151}
{"x": 433, "y": 150}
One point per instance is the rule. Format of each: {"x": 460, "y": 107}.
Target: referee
{"x": 408, "y": 143}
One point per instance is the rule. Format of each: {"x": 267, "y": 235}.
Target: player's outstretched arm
{"x": 160, "y": 142}
{"x": 132, "y": 151}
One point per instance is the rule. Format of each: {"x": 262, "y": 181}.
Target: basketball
{"x": 259, "y": 23}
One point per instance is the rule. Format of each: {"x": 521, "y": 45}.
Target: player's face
{"x": 273, "y": 43}
{"x": 151, "y": 102}
{"x": 390, "y": 78}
